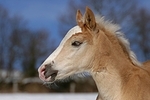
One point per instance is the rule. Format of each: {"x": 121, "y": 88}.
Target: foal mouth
{"x": 47, "y": 73}
{"x": 50, "y": 75}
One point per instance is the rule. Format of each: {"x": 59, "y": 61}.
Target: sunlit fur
{"x": 147, "y": 65}
{"x": 115, "y": 29}
{"x": 105, "y": 54}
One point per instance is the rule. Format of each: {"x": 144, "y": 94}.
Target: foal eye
{"x": 76, "y": 43}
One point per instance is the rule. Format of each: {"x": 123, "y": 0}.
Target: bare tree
{"x": 4, "y": 24}
{"x": 114, "y": 10}
{"x": 67, "y": 19}
{"x": 141, "y": 23}
{"x": 37, "y": 47}
{"x": 17, "y": 25}
{"x": 29, "y": 48}
{"x": 118, "y": 11}
{"x": 19, "y": 46}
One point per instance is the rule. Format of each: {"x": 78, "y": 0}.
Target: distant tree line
{"x": 134, "y": 20}
{"x": 21, "y": 48}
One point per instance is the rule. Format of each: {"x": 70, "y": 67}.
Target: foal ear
{"x": 79, "y": 19}
{"x": 89, "y": 19}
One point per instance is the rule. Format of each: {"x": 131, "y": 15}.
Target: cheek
{"x": 65, "y": 54}
{"x": 64, "y": 59}
{"x": 73, "y": 58}
{"x": 83, "y": 57}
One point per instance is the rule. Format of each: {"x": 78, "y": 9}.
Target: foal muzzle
{"x": 47, "y": 73}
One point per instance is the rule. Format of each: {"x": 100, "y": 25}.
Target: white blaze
{"x": 72, "y": 31}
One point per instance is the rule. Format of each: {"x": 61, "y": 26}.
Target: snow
{"x": 50, "y": 96}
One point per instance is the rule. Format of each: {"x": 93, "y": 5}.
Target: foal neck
{"x": 109, "y": 69}
{"x": 109, "y": 82}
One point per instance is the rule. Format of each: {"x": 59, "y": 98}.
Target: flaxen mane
{"x": 114, "y": 28}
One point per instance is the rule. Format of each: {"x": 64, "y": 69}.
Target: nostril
{"x": 48, "y": 66}
{"x": 52, "y": 62}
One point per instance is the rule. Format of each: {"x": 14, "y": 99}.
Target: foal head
{"x": 75, "y": 52}
{"x": 83, "y": 46}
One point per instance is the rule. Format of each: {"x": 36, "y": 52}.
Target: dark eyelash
{"x": 76, "y": 43}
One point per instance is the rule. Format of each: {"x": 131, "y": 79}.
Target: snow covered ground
{"x": 50, "y": 96}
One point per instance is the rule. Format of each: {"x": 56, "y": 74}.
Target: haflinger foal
{"x": 96, "y": 46}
